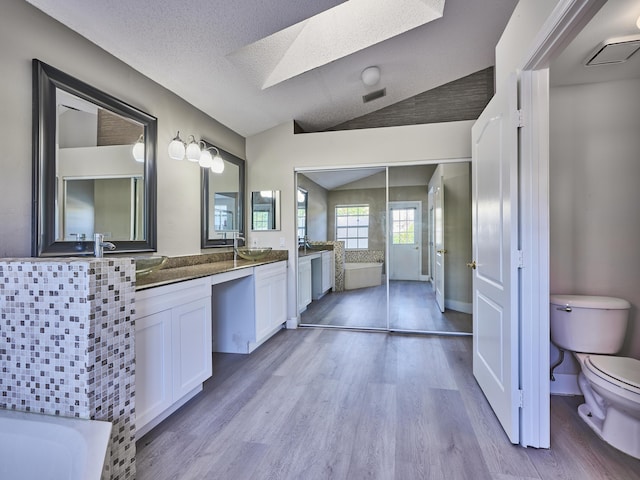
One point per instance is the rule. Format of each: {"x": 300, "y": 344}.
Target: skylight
{"x": 331, "y": 35}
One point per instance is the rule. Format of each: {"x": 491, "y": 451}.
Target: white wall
{"x": 26, "y": 33}
{"x": 594, "y": 194}
{"x": 518, "y": 35}
{"x": 273, "y": 156}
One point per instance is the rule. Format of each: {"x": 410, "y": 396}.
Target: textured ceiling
{"x": 185, "y": 46}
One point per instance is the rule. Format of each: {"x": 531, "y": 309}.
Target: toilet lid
{"x": 590, "y": 301}
{"x": 623, "y": 369}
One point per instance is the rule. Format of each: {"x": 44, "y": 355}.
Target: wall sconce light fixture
{"x": 138, "y": 150}
{"x": 196, "y": 152}
{"x": 177, "y": 148}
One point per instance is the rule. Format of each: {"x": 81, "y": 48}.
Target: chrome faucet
{"x": 236, "y": 237}
{"x": 99, "y": 245}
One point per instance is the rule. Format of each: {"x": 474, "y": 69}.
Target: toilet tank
{"x": 588, "y": 324}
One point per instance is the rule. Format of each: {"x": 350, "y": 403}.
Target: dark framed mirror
{"x": 222, "y": 201}
{"x": 94, "y": 168}
{"x": 302, "y": 197}
{"x": 265, "y": 210}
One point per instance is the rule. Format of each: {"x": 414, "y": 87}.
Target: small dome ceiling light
{"x": 370, "y": 76}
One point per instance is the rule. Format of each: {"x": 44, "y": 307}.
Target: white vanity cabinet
{"x": 304, "y": 282}
{"x": 173, "y": 348}
{"x": 321, "y": 274}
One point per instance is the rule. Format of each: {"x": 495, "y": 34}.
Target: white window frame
{"x": 362, "y": 241}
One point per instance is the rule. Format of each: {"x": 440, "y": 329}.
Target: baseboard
{"x": 459, "y": 306}
{"x": 292, "y": 323}
{"x": 565, "y": 384}
{"x": 154, "y": 422}
{"x": 425, "y": 278}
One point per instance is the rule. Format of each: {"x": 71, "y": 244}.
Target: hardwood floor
{"x": 334, "y": 404}
{"x": 412, "y": 306}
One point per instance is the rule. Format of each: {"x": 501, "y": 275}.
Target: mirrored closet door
{"x": 372, "y": 248}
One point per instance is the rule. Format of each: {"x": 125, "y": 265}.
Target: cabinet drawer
{"x": 157, "y": 299}
{"x": 270, "y": 270}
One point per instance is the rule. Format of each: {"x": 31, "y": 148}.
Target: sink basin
{"x": 254, "y": 254}
{"x": 146, "y": 265}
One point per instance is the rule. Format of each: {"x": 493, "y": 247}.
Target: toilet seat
{"x": 624, "y": 372}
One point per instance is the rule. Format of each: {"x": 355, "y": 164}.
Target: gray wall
{"x": 594, "y": 194}
{"x": 26, "y": 33}
{"x": 462, "y": 99}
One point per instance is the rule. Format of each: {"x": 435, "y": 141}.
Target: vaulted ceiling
{"x": 253, "y": 65}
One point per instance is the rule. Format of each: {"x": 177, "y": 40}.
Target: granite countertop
{"x": 311, "y": 251}
{"x": 192, "y": 270}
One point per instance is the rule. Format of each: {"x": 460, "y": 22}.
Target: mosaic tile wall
{"x": 67, "y": 345}
{"x": 364, "y": 256}
{"x": 338, "y": 258}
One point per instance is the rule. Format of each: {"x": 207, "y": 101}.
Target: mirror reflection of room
{"x": 390, "y": 281}
{"x": 224, "y": 205}
{"x": 100, "y": 183}
{"x": 265, "y": 210}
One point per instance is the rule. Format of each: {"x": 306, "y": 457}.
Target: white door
{"x": 494, "y": 216}
{"x": 405, "y": 240}
{"x": 438, "y": 235}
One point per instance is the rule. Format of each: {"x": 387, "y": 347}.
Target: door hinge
{"x": 520, "y": 399}
{"x": 519, "y": 259}
{"x": 519, "y": 118}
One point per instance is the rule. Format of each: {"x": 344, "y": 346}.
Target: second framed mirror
{"x": 222, "y": 198}
{"x": 265, "y": 210}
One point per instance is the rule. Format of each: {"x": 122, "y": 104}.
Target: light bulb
{"x": 138, "y": 150}
{"x": 193, "y": 150}
{"x": 176, "y": 148}
{"x": 206, "y": 160}
{"x": 218, "y": 164}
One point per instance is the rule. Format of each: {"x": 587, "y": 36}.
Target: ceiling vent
{"x": 618, "y": 50}
{"x": 370, "y": 97}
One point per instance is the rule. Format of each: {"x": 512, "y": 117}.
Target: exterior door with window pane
{"x": 405, "y": 252}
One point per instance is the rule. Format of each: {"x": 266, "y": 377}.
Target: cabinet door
{"x": 263, "y": 308}
{"x": 279, "y": 299}
{"x": 327, "y": 271}
{"x": 191, "y": 345}
{"x": 153, "y": 366}
{"x": 271, "y": 298}
{"x": 304, "y": 284}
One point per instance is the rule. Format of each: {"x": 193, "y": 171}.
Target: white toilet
{"x": 593, "y": 328}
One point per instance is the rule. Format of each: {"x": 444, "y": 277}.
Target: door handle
{"x": 472, "y": 265}
{"x": 443, "y": 250}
